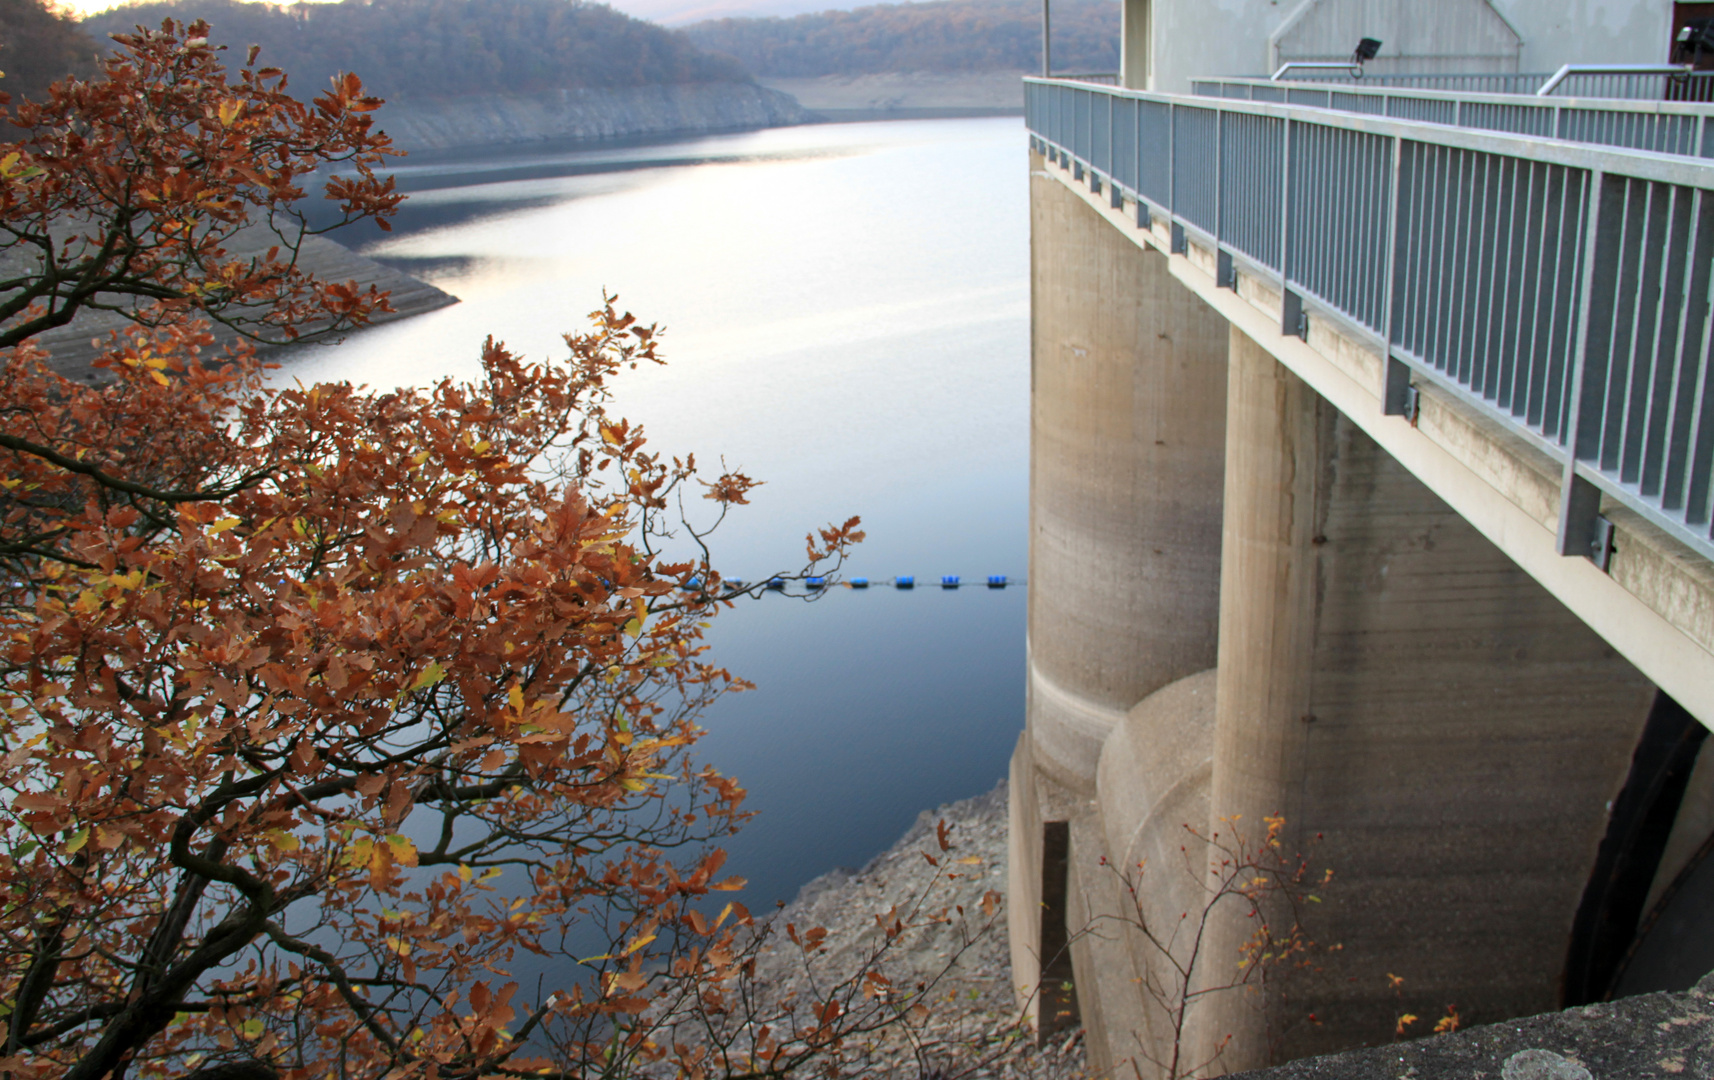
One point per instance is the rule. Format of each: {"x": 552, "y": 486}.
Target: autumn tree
{"x": 164, "y": 189}
{"x": 322, "y": 708}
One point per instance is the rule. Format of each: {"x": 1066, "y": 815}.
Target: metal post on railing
{"x": 1397, "y": 397}
{"x": 1581, "y": 530}
{"x": 1288, "y": 319}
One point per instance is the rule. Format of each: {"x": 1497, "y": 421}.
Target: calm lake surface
{"x": 847, "y": 316}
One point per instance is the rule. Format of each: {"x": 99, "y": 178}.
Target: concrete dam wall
{"x": 577, "y": 113}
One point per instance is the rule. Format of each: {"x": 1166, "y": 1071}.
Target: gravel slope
{"x": 959, "y": 966}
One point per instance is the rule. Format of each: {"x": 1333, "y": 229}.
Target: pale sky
{"x": 669, "y": 12}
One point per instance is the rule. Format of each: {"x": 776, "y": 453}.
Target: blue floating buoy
{"x": 776, "y": 584}
{"x": 814, "y": 582}
{"x": 996, "y": 581}
{"x": 859, "y": 583}
{"x": 949, "y": 581}
{"x": 906, "y": 582}
{"x": 691, "y": 584}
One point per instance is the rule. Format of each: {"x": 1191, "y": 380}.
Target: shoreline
{"x": 971, "y": 1028}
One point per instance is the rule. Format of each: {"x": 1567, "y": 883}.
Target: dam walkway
{"x": 1380, "y": 423}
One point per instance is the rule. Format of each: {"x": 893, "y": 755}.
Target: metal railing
{"x": 1104, "y": 78}
{"x": 1664, "y": 127}
{"x": 1666, "y": 82}
{"x": 1564, "y": 289}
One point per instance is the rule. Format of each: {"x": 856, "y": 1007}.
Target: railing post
{"x": 1288, "y": 319}
{"x": 1397, "y": 395}
{"x": 1172, "y": 170}
{"x": 1582, "y": 530}
{"x": 1219, "y": 173}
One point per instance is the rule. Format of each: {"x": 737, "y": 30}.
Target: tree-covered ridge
{"x": 39, "y": 45}
{"x": 445, "y": 48}
{"x": 941, "y": 35}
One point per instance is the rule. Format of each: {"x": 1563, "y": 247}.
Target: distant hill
{"x": 437, "y": 49}
{"x": 937, "y": 36}
{"x": 39, "y": 46}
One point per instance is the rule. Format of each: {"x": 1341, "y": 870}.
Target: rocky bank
{"x": 971, "y": 1029}
{"x": 499, "y": 119}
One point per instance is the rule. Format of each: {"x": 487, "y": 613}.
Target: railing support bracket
{"x": 1225, "y": 271}
{"x": 1077, "y": 170}
{"x": 1398, "y": 396}
{"x": 1294, "y": 321}
{"x": 1145, "y": 220}
{"x": 1180, "y": 245}
{"x": 1116, "y": 197}
{"x": 1582, "y": 529}
{"x": 1094, "y": 182}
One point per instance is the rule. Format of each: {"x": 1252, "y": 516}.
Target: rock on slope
{"x": 972, "y": 1027}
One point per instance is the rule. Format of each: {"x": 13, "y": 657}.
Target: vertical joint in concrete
{"x": 1058, "y": 989}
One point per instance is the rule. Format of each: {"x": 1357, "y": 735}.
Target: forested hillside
{"x": 39, "y": 46}
{"x": 938, "y": 36}
{"x": 422, "y": 49}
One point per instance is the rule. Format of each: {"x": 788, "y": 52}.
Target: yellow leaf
{"x": 403, "y": 849}
{"x": 637, "y": 944}
{"x": 283, "y": 840}
{"x": 516, "y": 697}
{"x": 81, "y": 836}
{"x": 429, "y": 675}
{"x": 162, "y": 379}
{"x": 230, "y": 110}
{"x": 223, "y": 524}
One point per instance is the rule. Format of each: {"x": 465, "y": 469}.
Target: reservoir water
{"x": 847, "y": 315}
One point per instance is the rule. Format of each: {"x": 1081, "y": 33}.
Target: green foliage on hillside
{"x": 444, "y": 48}
{"x": 39, "y": 45}
{"x": 942, "y": 35}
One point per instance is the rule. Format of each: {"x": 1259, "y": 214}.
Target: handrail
{"x": 1569, "y": 70}
{"x": 1682, "y": 128}
{"x": 1560, "y": 287}
{"x": 1352, "y": 66}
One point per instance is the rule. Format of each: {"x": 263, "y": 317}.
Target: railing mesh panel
{"x": 1661, "y": 133}
{"x": 1252, "y": 155}
{"x": 1487, "y": 258}
{"x": 1517, "y": 119}
{"x": 1125, "y": 142}
{"x": 1646, "y": 414}
{"x": 1340, "y": 189}
{"x": 1154, "y": 152}
{"x": 1195, "y": 161}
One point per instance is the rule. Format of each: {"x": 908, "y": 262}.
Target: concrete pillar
{"x": 1136, "y": 45}
{"x": 1128, "y": 415}
{"x": 1389, "y": 680}
{"x": 1128, "y": 376}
